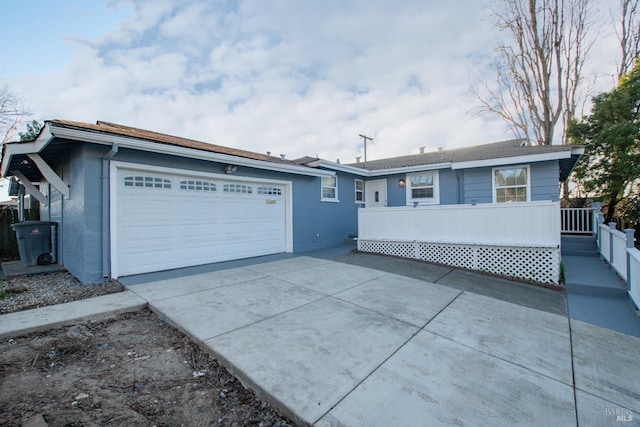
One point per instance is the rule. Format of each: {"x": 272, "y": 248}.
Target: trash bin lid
{"x": 31, "y": 224}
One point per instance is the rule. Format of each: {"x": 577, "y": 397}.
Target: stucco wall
{"x": 318, "y": 224}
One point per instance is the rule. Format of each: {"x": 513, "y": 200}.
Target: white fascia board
{"x": 161, "y": 148}
{"x": 16, "y": 148}
{"x": 513, "y": 160}
{"x": 409, "y": 169}
{"x": 338, "y": 167}
{"x": 380, "y": 172}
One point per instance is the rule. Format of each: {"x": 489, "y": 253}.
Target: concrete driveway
{"x": 336, "y": 344}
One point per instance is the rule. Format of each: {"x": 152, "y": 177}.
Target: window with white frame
{"x": 422, "y": 188}
{"x": 511, "y": 184}
{"x": 359, "y": 188}
{"x": 330, "y": 188}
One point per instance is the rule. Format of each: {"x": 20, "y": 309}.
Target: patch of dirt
{"x": 133, "y": 370}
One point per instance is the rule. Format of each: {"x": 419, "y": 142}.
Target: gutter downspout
{"x": 106, "y": 250}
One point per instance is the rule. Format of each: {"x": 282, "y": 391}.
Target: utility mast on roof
{"x": 365, "y": 138}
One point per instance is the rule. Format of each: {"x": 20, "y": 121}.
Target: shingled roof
{"x": 127, "y": 131}
{"x": 496, "y": 150}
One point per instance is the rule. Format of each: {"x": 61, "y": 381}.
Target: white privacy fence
{"x": 617, "y": 248}
{"x": 520, "y": 240}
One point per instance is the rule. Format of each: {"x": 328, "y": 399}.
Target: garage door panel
{"x": 172, "y": 221}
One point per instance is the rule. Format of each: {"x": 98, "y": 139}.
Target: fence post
{"x": 600, "y": 218}
{"x": 612, "y": 228}
{"x": 596, "y": 206}
{"x": 630, "y": 238}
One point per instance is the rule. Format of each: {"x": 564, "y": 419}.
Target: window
{"x": 146, "y": 181}
{"x": 422, "y": 188}
{"x": 359, "y": 186}
{"x": 197, "y": 185}
{"x": 237, "y": 188}
{"x": 330, "y": 188}
{"x": 511, "y": 184}
{"x": 271, "y": 191}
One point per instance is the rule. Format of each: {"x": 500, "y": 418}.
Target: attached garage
{"x": 165, "y": 218}
{"x": 130, "y": 201}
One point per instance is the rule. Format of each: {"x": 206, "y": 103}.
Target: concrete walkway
{"x": 337, "y": 343}
{"x": 595, "y": 294}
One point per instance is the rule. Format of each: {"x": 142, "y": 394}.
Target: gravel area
{"x": 27, "y": 292}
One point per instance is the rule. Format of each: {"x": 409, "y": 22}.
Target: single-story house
{"x": 130, "y": 201}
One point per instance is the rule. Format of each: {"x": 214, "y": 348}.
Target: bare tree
{"x": 628, "y": 31}
{"x": 539, "y": 65}
{"x": 12, "y": 111}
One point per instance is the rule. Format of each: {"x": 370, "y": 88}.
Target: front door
{"x": 375, "y": 193}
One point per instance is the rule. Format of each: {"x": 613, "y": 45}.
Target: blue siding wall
{"x": 477, "y": 184}
{"x": 544, "y": 182}
{"x": 448, "y": 187}
{"x": 396, "y": 195}
{"x": 316, "y": 224}
{"x": 69, "y": 213}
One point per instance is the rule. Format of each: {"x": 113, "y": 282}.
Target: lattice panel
{"x": 399, "y": 249}
{"x": 529, "y": 263}
{"x": 457, "y": 255}
{"x": 535, "y": 264}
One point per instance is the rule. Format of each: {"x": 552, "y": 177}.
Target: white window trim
{"x": 356, "y": 191}
{"x": 493, "y": 181}
{"x": 322, "y": 186}
{"x": 436, "y": 189}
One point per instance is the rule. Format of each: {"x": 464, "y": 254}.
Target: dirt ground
{"x": 133, "y": 370}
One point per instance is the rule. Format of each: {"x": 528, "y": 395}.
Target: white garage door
{"x": 165, "y": 220}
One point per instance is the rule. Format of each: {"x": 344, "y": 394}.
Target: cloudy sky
{"x": 298, "y": 77}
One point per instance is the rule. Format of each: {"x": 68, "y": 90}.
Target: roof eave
{"x": 409, "y": 169}
{"x": 16, "y": 148}
{"x": 377, "y": 172}
{"x": 526, "y": 158}
{"x": 338, "y": 167}
{"x": 156, "y": 147}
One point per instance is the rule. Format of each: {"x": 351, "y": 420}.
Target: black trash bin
{"x": 34, "y": 242}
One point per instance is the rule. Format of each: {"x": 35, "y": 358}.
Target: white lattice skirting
{"x": 536, "y": 264}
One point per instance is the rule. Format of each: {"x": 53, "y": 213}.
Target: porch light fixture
{"x": 401, "y": 183}
{"x": 230, "y": 169}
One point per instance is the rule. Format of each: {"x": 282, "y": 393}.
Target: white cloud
{"x": 282, "y": 76}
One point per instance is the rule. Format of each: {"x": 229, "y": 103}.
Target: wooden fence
{"x": 8, "y": 241}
